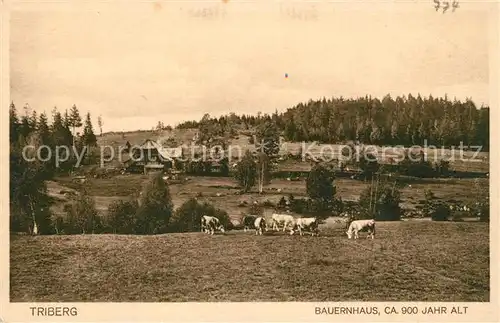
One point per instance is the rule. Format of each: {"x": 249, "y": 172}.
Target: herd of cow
{"x": 210, "y": 225}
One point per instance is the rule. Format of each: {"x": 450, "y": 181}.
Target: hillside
{"x": 241, "y": 141}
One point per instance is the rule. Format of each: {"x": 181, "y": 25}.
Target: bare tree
{"x": 100, "y": 124}
{"x": 263, "y": 170}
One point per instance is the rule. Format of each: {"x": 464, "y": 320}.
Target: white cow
{"x": 361, "y": 225}
{"x": 260, "y": 225}
{"x": 307, "y": 224}
{"x": 285, "y": 219}
{"x": 210, "y": 224}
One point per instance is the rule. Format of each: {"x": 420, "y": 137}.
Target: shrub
{"x": 388, "y": 212}
{"x": 338, "y": 205}
{"x": 429, "y": 203}
{"x": 246, "y": 172}
{"x": 482, "y": 197}
{"x": 121, "y": 216}
{"x": 222, "y": 215}
{"x": 484, "y": 212}
{"x": 43, "y": 217}
{"x": 281, "y": 204}
{"x": 368, "y": 163}
{"x": 381, "y": 201}
{"x": 268, "y": 203}
{"x": 187, "y": 218}
{"x": 320, "y": 183}
{"x": 23, "y": 222}
{"x": 155, "y": 207}
{"x": 224, "y": 166}
{"x": 417, "y": 166}
{"x": 442, "y": 167}
{"x": 440, "y": 212}
{"x": 82, "y": 216}
{"x": 30, "y": 205}
{"x": 437, "y": 210}
{"x": 195, "y": 167}
{"x": 59, "y": 225}
{"x": 299, "y": 206}
{"x": 319, "y": 208}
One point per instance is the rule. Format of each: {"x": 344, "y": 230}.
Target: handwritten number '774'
{"x": 445, "y": 5}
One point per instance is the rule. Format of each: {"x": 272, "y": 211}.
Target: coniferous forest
{"x": 406, "y": 120}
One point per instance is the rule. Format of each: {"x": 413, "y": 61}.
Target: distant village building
{"x": 151, "y": 156}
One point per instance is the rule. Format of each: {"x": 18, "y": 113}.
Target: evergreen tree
{"x": 66, "y": 120}
{"x": 394, "y": 133}
{"x": 13, "y": 124}
{"x": 376, "y": 135}
{"x": 33, "y": 121}
{"x": 61, "y": 135}
{"x": 340, "y": 132}
{"x": 74, "y": 120}
{"x": 320, "y": 184}
{"x": 88, "y": 137}
{"x": 25, "y": 126}
{"x": 44, "y": 130}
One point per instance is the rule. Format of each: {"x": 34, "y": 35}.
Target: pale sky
{"x": 162, "y": 62}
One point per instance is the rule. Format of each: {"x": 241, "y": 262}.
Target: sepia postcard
{"x": 250, "y": 161}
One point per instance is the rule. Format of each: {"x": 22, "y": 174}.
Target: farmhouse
{"x": 151, "y": 156}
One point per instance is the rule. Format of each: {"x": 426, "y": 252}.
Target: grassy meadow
{"x": 407, "y": 261}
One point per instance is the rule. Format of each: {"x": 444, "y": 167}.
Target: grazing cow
{"x": 361, "y": 225}
{"x": 307, "y": 224}
{"x": 349, "y": 216}
{"x": 210, "y": 224}
{"x": 260, "y": 225}
{"x": 248, "y": 222}
{"x": 285, "y": 219}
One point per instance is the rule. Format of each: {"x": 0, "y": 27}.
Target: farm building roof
{"x": 165, "y": 152}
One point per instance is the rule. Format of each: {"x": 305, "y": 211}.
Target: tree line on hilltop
{"x": 405, "y": 120}
{"x": 24, "y": 128}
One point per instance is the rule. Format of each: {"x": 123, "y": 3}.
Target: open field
{"x": 221, "y": 191}
{"x": 407, "y": 261}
